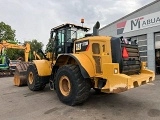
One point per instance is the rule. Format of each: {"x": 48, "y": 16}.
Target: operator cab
{"x": 63, "y": 37}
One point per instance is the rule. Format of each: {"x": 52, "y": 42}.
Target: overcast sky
{"x": 33, "y": 19}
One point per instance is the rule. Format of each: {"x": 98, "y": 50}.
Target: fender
{"x": 43, "y": 67}
{"x": 85, "y": 64}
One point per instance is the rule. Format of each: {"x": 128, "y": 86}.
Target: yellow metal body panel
{"x": 121, "y": 82}
{"x": 104, "y": 56}
{"x": 43, "y": 67}
{"x": 115, "y": 81}
{"x": 86, "y": 63}
{"x": 108, "y": 69}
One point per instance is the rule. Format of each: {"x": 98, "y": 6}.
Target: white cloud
{"x": 33, "y": 19}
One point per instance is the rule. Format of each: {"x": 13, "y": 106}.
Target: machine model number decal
{"x": 81, "y": 45}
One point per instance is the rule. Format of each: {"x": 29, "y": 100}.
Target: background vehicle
{"x": 13, "y": 64}
{"x": 82, "y": 61}
{"x": 4, "y": 64}
{"x": 4, "y": 61}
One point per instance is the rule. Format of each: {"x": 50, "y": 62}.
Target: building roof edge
{"x": 131, "y": 13}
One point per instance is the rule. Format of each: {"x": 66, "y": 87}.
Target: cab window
{"x": 61, "y": 37}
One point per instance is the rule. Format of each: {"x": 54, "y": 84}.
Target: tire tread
{"x": 38, "y": 85}
{"x": 83, "y": 85}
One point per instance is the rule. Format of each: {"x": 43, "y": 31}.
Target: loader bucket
{"x": 20, "y": 76}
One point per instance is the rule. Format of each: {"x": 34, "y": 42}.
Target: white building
{"x": 142, "y": 25}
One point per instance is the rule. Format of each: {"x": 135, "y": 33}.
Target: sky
{"x": 33, "y": 19}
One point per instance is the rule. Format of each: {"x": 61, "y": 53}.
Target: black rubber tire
{"x": 37, "y": 83}
{"x": 80, "y": 88}
{"x": 97, "y": 90}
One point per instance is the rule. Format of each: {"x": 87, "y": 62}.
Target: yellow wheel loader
{"x": 82, "y": 61}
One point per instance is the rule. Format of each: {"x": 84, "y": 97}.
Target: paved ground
{"x": 19, "y": 103}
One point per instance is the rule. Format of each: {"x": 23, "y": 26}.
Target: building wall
{"x": 111, "y": 30}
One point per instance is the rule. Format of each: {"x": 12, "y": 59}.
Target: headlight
{"x": 115, "y": 71}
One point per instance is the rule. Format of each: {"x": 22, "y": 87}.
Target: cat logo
{"x": 81, "y": 45}
{"x": 78, "y": 46}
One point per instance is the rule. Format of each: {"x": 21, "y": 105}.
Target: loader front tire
{"x": 71, "y": 87}
{"x": 34, "y": 82}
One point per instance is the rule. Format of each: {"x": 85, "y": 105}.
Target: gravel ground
{"x": 19, "y": 103}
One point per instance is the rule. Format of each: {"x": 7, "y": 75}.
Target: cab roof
{"x": 70, "y": 25}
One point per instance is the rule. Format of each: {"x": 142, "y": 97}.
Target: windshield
{"x": 80, "y": 33}
{"x": 75, "y": 34}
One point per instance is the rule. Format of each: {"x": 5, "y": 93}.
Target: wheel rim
{"x": 64, "y": 85}
{"x": 31, "y": 78}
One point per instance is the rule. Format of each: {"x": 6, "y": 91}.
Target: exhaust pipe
{"x": 95, "y": 29}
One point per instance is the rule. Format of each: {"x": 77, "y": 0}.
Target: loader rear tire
{"x": 71, "y": 87}
{"x": 97, "y": 90}
{"x": 34, "y": 81}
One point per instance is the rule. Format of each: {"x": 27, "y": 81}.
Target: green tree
{"x": 14, "y": 54}
{"x": 6, "y": 32}
{"x": 49, "y": 46}
{"x": 35, "y": 46}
